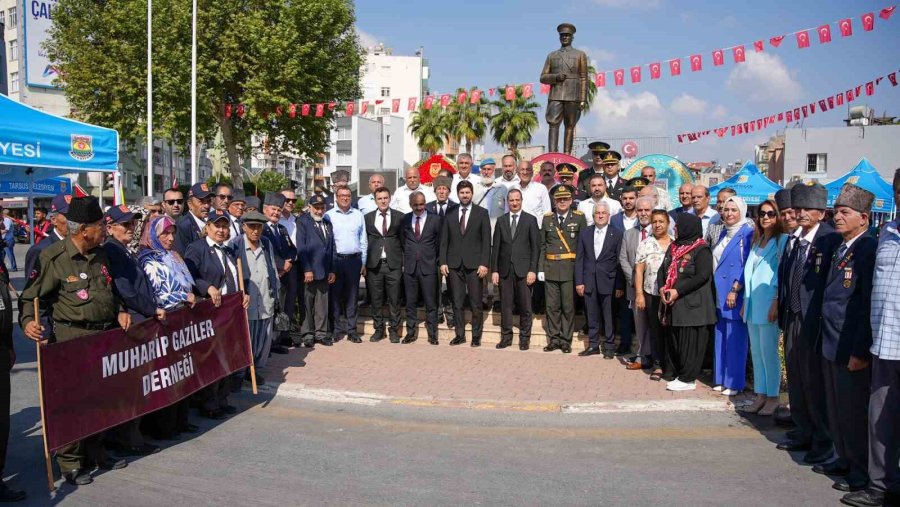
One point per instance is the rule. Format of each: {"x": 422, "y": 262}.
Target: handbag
{"x": 282, "y": 321}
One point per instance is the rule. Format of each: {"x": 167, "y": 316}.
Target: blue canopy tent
{"x": 35, "y": 145}
{"x": 751, "y": 185}
{"x": 866, "y": 176}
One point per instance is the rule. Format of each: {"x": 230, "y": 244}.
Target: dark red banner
{"x": 96, "y": 382}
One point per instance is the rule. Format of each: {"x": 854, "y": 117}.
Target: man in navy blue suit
{"x": 421, "y": 233}
{"x": 317, "y": 263}
{"x": 191, "y": 226}
{"x": 213, "y": 265}
{"x": 285, "y": 256}
{"x": 597, "y": 277}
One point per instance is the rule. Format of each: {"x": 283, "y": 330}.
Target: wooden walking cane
{"x": 247, "y": 318}
{"x": 50, "y": 480}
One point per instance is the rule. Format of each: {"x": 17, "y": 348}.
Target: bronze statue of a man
{"x": 566, "y": 71}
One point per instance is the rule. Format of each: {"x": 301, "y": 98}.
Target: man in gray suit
{"x": 627, "y": 255}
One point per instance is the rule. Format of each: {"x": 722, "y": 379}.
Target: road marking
{"x": 612, "y": 407}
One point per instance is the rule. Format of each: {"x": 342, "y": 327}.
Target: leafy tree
{"x": 592, "y": 89}
{"x": 264, "y": 54}
{"x": 271, "y": 181}
{"x": 429, "y": 126}
{"x": 515, "y": 121}
{"x": 467, "y": 122}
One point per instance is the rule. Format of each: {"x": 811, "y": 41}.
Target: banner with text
{"x": 100, "y": 381}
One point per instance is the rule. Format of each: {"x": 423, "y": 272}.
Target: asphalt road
{"x": 282, "y": 451}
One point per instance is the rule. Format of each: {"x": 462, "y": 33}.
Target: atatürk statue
{"x": 566, "y": 71}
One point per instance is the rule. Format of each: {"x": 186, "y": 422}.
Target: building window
{"x": 13, "y": 18}
{"x": 387, "y": 139}
{"x": 816, "y": 162}
{"x": 2, "y": 18}
{"x": 385, "y": 91}
{"x": 157, "y": 155}
{"x": 13, "y": 50}
{"x": 14, "y": 82}
{"x": 344, "y": 159}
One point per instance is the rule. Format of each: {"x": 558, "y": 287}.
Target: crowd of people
{"x": 673, "y": 292}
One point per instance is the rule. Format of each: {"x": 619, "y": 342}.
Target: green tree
{"x": 264, "y": 54}
{"x": 429, "y": 126}
{"x": 591, "y": 91}
{"x": 467, "y": 122}
{"x": 515, "y": 121}
{"x": 270, "y": 181}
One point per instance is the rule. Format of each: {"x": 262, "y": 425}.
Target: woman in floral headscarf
{"x": 169, "y": 277}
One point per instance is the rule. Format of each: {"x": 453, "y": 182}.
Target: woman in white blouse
{"x": 649, "y": 257}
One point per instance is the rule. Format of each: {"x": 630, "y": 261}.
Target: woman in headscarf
{"x": 172, "y": 285}
{"x": 686, "y": 288}
{"x": 729, "y": 258}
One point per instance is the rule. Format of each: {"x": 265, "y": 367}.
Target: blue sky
{"x": 493, "y": 42}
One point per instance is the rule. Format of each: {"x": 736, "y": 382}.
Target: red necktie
{"x": 643, "y": 234}
{"x": 418, "y": 229}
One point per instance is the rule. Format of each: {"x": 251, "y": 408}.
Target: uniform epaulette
{"x": 548, "y": 214}
{"x": 576, "y": 212}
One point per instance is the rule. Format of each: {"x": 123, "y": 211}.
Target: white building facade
{"x": 826, "y": 154}
{"x": 361, "y": 146}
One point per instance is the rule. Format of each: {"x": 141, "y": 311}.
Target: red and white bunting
{"x": 868, "y": 21}
{"x": 776, "y": 41}
{"x": 887, "y": 12}
{"x": 718, "y": 57}
{"x": 599, "y": 80}
{"x": 675, "y": 67}
{"x": 445, "y": 100}
{"x": 411, "y": 104}
{"x": 619, "y": 77}
{"x": 395, "y": 105}
{"x": 510, "y": 93}
{"x": 304, "y": 110}
{"x": 824, "y": 32}
{"x": 527, "y": 90}
{"x": 654, "y": 70}
{"x": 758, "y": 46}
{"x": 696, "y": 63}
{"x": 636, "y": 74}
{"x": 738, "y": 53}
{"x": 803, "y": 39}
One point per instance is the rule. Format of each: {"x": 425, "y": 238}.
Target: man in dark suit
{"x": 384, "y": 263}
{"x": 316, "y": 260}
{"x": 685, "y": 199}
{"x": 421, "y": 235}
{"x": 190, "y": 227}
{"x": 213, "y": 265}
{"x": 441, "y": 207}
{"x": 597, "y": 278}
{"x": 801, "y": 275}
{"x": 847, "y": 336}
{"x": 465, "y": 256}
{"x": 285, "y": 256}
{"x": 514, "y": 263}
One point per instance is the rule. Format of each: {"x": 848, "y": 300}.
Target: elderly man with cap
{"x": 190, "y": 227}
{"x": 236, "y": 209}
{"x": 442, "y": 206}
{"x": 213, "y": 265}
{"x": 786, "y": 211}
{"x": 262, "y": 285}
{"x": 252, "y": 203}
{"x": 400, "y": 201}
{"x": 556, "y": 268}
{"x": 847, "y": 336}
{"x": 316, "y": 259}
{"x": 566, "y": 71}
{"x": 350, "y": 250}
{"x": 74, "y": 283}
{"x": 285, "y": 256}
{"x": 801, "y": 276}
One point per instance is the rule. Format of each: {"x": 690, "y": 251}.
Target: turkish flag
{"x": 805, "y": 111}
{"x": 240, "y": 110}
{"x": 812, "y": 108}
{"x": 759, "y": 124}
{"x": 870, "y": 88}
{"x": 527, "y": 90}
{"x": 228, "y": 110}
{"x": 395, "y": 105}
{"x": 351, "y": 107}
{"x": 780, "y": 116}
{"x": 332, "y": 105}
{"x": 636, "y": 74}
{"x": 655, "y": 70}
{"x": 475, "y": 98}
{"x": 830, "y": 101}
{"x": 445, "y": 100}
{"x": 752, "y": 126}
{"x": 675, "y": 67}
{"x": 680, "y": 138}
{"x": 893, "y": 78}
{"x": 491, "y": 92}
{"x": 797, "y": 113}
{"x": 429, "y": 102}
{"x": 846, "y": 27}
{"x": 411, "y": 104}
{"x": 803, "y": 39}
{"x": 461, "y": 98}
{"x": 824, "y": 34}
{"x": 545, "y": 89}
{"x": 292, "y": 110}
{"x": 696, "y": 63}
{"x": 776, "y": 41}
{"x": 364, "y": 107}
{"x": 790, "y": 117}
{"x": 278, "y": 110}
{"x": 738, "y": 52}
{"x": 720, "y": 131}
{"x": 304, "y": 110}
{"x": 859, "y": 90}
{"x": 619, "y": 77}
{"x": 822, "y": 105}
{"x": 741, "y": 128}
{"x": 732, "y": 131}
{"x": 839, "y": 99}
{"x": 868, "y": 21}
{"x": 758, "y": 46}
{"x": 887, "y": 12}
{"x": 600, "y": 79}
{"x": 510, "y": 93}
{"x": 320, "y": 110}
{"x": 766, "y": 122}
{"x": 718, "y": 57}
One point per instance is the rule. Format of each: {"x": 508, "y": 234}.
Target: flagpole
{"x": 149, "y": 97}
{"x": 194, "y": 175}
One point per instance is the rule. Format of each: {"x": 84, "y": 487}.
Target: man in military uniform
{"x": 566, "y": 173}
{"x": 598, "y": 148}
{"x": 557, "y": 268}
{"x": 614, "y": 183}
{"x": 566, "y": 71}
{"x": 74, "y": 282}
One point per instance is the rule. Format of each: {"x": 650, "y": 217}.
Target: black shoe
{"x": 584, "y": 330}
{"x": 189, "y": 428}
{"x": 865, "y": 498}
{"x": 217, "y": 415}
{"x": 144, "y": 449}
{"x": 818, "y": 459}
{"x": 590, "y": 351}
{"x": 327, "y": 342}
{"x": 622, "y": 351}
{"x": 260, "y": 380}
{"x": 338, "y": 337}
{"x": 792, "y": 446}
{"x": 112, "y": 464}
{"x": 503, "y": 344}
{"x": 833, "y": 468}
{"x": 309, "y": 343}
{"x": 551, "y": 347}
{"x": 409, "y": 339}
{"x": 354, "y": 339}
{"x": 395, "y": 338}
{"x": 496, "y": 307}
{"x": 378, "y": 336}
{"x": 78, "y": 477}
{"x": 847, "y": 487}
{"x": 608, "y": 354}
{"x": 433, "y": 341}
{"x": 8, "y": 495}
{"x": 228, "y": 409}
{"x": 457, "y": 341}
{"x": 565, "y": 348}
{"x": 279, "y": 349}
{"x": 440, "y": 318}
{"x": 524, "y": 346}
{"x": 476, "y": 342}
{"x": 792, "y": 434}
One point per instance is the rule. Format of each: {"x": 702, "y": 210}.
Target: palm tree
{"x": 429, "y": 126}
{"x": 515, "y": 121}
{"x": 467, "y": 122}
{"x": 592, "y": 89}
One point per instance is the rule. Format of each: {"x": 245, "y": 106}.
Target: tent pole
{"x": 30, "y": 207}
{"x": 194, "y": 175}
{"x": 149, "y": 97}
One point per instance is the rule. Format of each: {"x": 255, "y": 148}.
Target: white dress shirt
{"x": 366, "y": 203}
{"x": 599, "y": 239}
{"x": 400, "y": 202}
{"x": 509, "y": 184}
{"x": 629, "y": 223}
{"x": 474, "y": 179}
{"x": 535, "y": 200}
{"x": 383, "y": 223}
{"x": 223, "y": 259}
{"x": 587, "y": 207}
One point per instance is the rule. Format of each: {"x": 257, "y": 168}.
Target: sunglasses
{"x": 225, "y": 197}
{"x": 768, "y": 214}
{"x": 173, "y": 202}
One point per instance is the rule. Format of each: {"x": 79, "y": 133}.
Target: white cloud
{"x": 763, "y": 78}
{"x": 599, "y": 56}
{"x": 366, "y": 39}
{"x": 688, "y": 104}
{"x": 621, "y": 113}
{"x": 720, "y": 112}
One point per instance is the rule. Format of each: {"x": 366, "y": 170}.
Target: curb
{"x": 301, "y": 392}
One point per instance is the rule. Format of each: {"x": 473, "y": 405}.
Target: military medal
{"x": 71, "y": 278}
{"x": 82, "y": 294}
{"x": 83, "y": 276}
{"x": 848, "y": 277}
{"x": 818, "y": 261}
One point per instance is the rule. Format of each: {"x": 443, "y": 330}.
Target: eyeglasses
{"x": 768, "y": 214}
{"x": 225, "y": 197}
{"x": 173, "y": 202}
